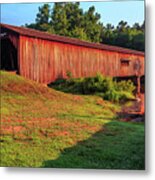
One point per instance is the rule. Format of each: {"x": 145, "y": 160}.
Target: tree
{"x": 122, "y": 26}
{"x": 42, "y": 19}
{"x": 68, "y": 19}
{"x": 43, "y": 15}
{"x": 92, "y": 25}
{"x": 138, "y": 41}
{"x": 108, "y": 34}
{"x": 137, "y": 26}
{"x": 124, "y": 35}
{"x": 143, "y": 26}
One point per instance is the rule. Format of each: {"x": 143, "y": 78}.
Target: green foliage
{"x": 104, "y": 87}
{"x": 125, "y": 86}
{"x": 97, "y": 84}
{"x": 69, "y": 74}
{"x": 43, "y": 14}
{"x": 68, "y": 19}
{"x": 59, "y": 81}
{"x": 125, "y": 36}
{"x": 42, "y": 19}
{"x": 118, "y": 96}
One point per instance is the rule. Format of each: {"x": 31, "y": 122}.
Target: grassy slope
{"x": 41, "y": 127}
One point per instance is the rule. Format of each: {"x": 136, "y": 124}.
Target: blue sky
{"x": 111, "y": 12}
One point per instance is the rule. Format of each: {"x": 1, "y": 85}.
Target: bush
{"x": 75, "y": 86}
{"x": 98, "y": 83}
{"x": 102, "y": 86}
{"x": 69, "y": 74}
{"x": 58, "y": 82}
{"x": 117, "y": 96}
{"x": 125, "y": 86}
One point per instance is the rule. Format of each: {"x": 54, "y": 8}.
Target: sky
{"x": 111, "y": 12}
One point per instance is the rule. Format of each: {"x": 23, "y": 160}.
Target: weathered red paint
{"x": 45, "y": 60}
{"x": 52, "y": 37}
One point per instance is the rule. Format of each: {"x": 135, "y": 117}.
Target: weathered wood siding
{"x": 44, "y": 61}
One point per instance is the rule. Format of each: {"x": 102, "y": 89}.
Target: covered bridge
{"x": 44, "y": 57}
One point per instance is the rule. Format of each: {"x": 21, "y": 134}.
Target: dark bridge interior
{"x": 8, "y": 55}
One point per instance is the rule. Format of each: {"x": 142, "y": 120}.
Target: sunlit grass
{"x": 41, "y": 127}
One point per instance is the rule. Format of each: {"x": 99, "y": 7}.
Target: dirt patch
{"x": 135, "y": 112}
{"x": 12, "y": 129}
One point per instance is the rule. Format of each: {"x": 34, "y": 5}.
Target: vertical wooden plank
{"x": 44, "y": 61}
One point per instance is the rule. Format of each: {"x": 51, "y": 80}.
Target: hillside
{"x": 63, "y": 130}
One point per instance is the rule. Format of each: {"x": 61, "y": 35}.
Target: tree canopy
{"x": 68, "y": 19}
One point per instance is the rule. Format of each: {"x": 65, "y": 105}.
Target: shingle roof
{"x": 52, "y": 37}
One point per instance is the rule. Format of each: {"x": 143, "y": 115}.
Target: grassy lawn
{"x": 41, "y": 127}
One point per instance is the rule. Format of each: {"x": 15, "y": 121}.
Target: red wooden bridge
{"x": 44, "y": 57}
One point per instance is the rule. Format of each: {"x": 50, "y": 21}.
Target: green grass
{"x": 117, "y": 146}
{"x": 41, "y": 127}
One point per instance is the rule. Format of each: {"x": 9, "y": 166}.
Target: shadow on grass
{"x": 119, "y": 145}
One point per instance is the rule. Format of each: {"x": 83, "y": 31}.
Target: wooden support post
{"x": 138, "y": 84}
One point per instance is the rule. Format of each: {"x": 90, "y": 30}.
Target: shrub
{"x": 59, "y": 81}
{"x": 69, "y": 74}
{"x": 125, "y": 86}
{"x": 117, "y": 96}
{"x": 88, "y": 85}
{"x": 98, "y": 83}
{"x": 75, "y": 85}
{"x": 102, "y": 86}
